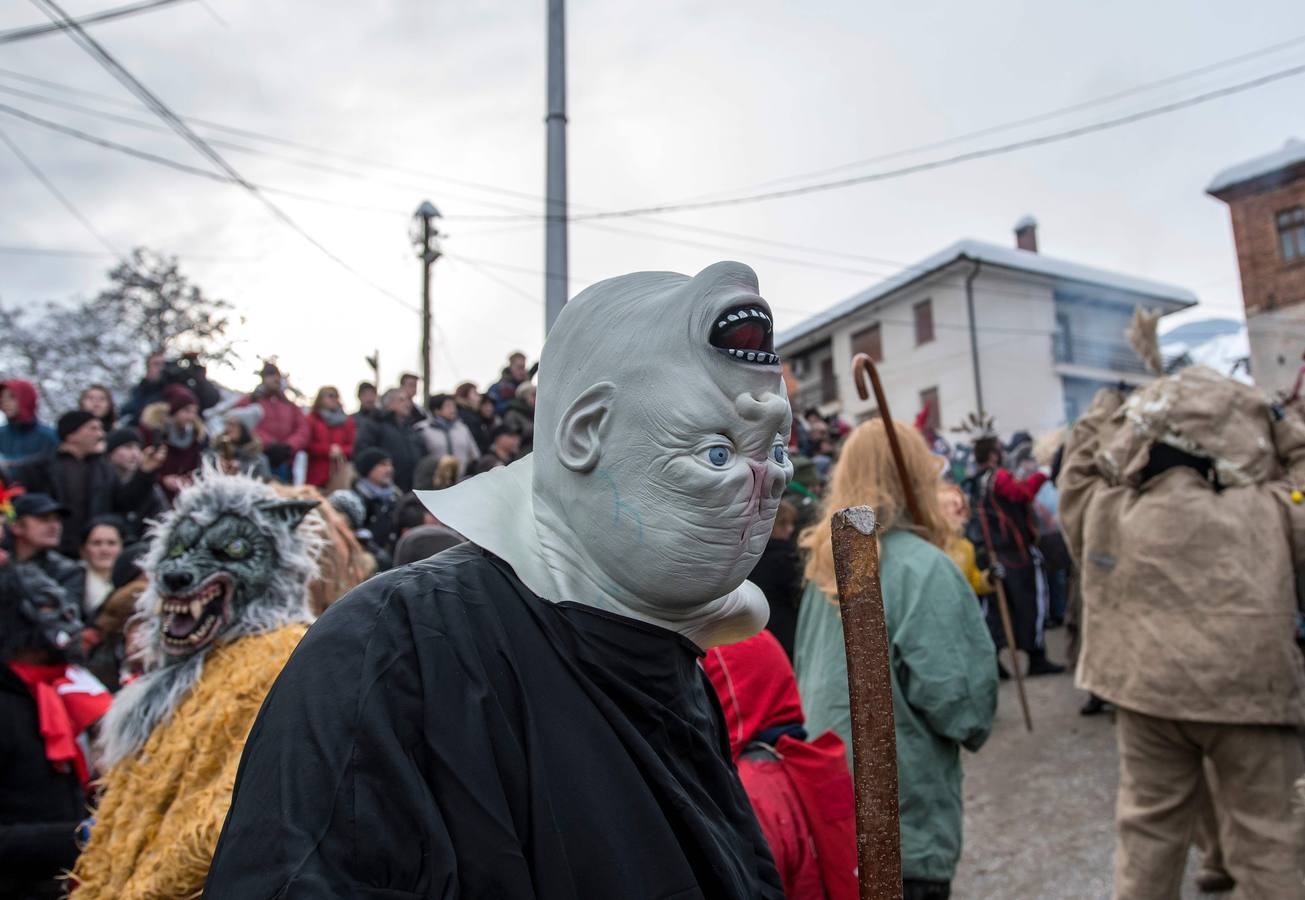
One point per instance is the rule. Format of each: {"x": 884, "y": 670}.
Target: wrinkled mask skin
{"x": 44, "y": 617}
{"x": 659, "y": 459}
{"x": 206, "y": 579}
{"x": 668, "y": 465}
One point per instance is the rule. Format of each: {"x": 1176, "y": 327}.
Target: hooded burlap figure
{"x": 1189, "y": 591}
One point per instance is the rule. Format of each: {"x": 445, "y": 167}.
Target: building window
{"x": 1062, "y": 343}
{"x": 828, "y": 383}
{"x": 1291, "y": 233}
{"x": 929, "y": 402}
{"x": 923, "y": 322}
{"x": 869, "y": 342}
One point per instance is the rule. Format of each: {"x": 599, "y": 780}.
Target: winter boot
{"x": 1040, "y": 665}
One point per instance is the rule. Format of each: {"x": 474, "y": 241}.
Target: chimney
{"x": 1026, "y": 234}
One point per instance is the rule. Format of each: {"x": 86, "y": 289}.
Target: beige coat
{"x": 1189, "y": 595}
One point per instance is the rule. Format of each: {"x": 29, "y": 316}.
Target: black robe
{"x": 443, "y": 732}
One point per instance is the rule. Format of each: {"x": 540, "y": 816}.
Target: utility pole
{"x": 556, "y": 282}
{"x": 425, "y": 239}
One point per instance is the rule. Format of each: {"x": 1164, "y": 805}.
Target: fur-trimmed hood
{"x": 155, "y": 418}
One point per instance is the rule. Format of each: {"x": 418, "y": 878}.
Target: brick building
{"x": 1266, "y": 198}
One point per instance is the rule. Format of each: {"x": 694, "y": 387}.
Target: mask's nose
{"x": 766, "y": 482}
{"x": 177, "y": 581}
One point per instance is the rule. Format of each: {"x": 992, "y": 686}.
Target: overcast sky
{"x": 668, "y": 101}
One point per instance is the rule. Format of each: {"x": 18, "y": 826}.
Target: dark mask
{"x": 37, "y": 614}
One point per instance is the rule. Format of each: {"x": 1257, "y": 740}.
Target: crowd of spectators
{"x": 84, "y": 484}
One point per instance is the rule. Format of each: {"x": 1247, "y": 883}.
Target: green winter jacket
{"x": 944, "y": 690}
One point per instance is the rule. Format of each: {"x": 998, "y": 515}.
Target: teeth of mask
{"x": 196, "y": 609}
{"x": 732, "y": 317}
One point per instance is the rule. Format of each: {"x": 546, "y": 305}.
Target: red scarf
{"x": 69, "y": 700}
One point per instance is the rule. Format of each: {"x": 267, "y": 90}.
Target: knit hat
{"x": 366, "y": 460}
{"x": 71, "y": 421}
{"x": 349, "y": 505}
{"x": 248, "y": 416}
{"x": 179, "y": 397}
{"x": 120, "y": 437}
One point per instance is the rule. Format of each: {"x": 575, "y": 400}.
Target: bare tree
{"x": 148, "y": 305}
{"x": 161, "y": 309}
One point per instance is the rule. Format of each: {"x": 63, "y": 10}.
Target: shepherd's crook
{"x": 863, "y": 366}
{"x": 870, "y": 688}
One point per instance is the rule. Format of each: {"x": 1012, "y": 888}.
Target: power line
{"x": 484, "y": 272}
{"x": 512, "y": 267}
{"x": 107, "y": 15}
{"x": 147, "y": 97}
{"x": 1030, "y": 119}
{"x": 530, "y": 216}
{"x": 287, "y": 142}
{"x": 59, "y": 195}
{"x": 968, "y": 156}
{"x": 112, "y": 145}
{"x": 316, "y": 165}
{"x": 784, "y": 260}
{"x": 170, "y": 163}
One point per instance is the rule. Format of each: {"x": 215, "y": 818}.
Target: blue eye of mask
{"x": 719, "y": 455}
{"x": 779, "y": 453}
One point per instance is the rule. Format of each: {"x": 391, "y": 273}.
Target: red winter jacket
{"x": 282, "y": 421}
{"x": 320, "y": 438}
{"x": 800, "y": 791}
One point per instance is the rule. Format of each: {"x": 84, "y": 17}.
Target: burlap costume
{"x": 1189, "y": 600}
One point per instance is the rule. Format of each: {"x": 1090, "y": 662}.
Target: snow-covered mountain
{"x": 1221, "y": 344}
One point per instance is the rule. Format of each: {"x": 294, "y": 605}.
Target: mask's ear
{"x": 288, "y": 512}
{"x": 579, "y": 433}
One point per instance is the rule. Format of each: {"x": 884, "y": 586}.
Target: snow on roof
{"x": 1026, "y": 222}
{"x": 1167, "y": 295}
{"x": 1292, "y": 153}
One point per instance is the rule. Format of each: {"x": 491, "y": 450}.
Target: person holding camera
{"x": 160, "y": 372}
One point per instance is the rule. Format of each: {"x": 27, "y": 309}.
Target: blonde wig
{"x": 866, "y": 475}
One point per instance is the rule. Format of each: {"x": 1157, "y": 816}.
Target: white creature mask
{"x": 661, "y": 428}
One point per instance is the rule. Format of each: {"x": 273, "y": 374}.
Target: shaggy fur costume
{"x": 163, "y": 809}
{"x": 173, "y": 738}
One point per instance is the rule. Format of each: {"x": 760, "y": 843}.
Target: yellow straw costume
{"x": 163, "y": 807}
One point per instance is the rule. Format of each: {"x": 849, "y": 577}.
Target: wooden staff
{"x": 870, "y": 688}
{"x": 863, "y": 369}
{"x": 1003, "y": 609}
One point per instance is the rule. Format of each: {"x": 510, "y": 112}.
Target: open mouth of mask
{"x": 746, "y": 334}
{"x": 192, "y": 620}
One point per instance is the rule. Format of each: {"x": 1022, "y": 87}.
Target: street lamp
{"x": 425, "y": 237}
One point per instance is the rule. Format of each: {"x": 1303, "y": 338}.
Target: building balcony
{"x": 1101, "y": 354}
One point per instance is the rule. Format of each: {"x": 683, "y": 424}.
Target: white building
{"x": 1022, "y": 337}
